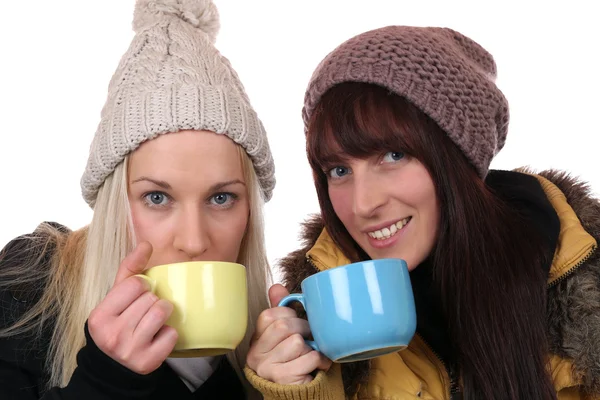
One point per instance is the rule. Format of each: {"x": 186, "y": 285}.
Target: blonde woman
{"x": 178, "y": 170}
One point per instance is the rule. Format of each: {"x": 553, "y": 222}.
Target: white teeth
{"x": 386, "y": 233}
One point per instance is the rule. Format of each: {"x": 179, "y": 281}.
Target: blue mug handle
{"x": 299, "y": 297}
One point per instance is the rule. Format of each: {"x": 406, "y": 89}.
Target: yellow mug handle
{"x": 150, "y": 281}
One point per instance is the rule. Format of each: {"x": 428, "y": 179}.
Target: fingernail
{"x": 148, "y": 282}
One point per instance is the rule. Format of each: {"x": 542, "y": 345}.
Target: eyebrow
{"x": 221, "y": 185}
{"x": 166, "y": 186}
{"x": 161, "y": 184}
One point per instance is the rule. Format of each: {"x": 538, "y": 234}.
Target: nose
{"x": 369, "y": 194}
{"x": 192, "y": 236}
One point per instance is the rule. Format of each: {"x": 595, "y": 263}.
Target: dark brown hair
{"x": 487, "y": 261}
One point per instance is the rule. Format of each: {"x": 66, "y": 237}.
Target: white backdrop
{"x": 57, "y": 58}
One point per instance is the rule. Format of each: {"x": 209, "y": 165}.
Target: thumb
{"x": 135, "y": 262}
{"x": 276, "y": 293}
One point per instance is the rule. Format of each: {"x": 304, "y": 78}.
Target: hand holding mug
{"x": 210, "y": 304}
{"x": 359, "y": 311}
{"x": 279, "y": 352}
{"x": 129, "y": 324}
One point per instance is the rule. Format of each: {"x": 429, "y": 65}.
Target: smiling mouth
{"x": 389, "y": 231}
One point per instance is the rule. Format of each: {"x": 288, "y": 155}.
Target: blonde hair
{"x": 77, "y": 278}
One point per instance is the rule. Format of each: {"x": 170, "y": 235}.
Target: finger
{"x": 276, "y": 293}
{"x": 135, "y": 262}
{"x": 153, "y": 321}
{"x": 324, "y": 362}
{"x": 269, "y": 316}
{"x": 132, "y": 315}
{"x": 281, "y": 330}
{"x": 289, "y": 349}
{"x": 121, "y": 296}
{"x": 163, "y": 343}
{"x": 309, "y": 362}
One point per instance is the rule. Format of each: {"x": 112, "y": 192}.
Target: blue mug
{"x": 359, "y": 311}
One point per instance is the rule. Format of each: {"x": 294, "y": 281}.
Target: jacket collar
{"x": 325, "y": 254}
{"x": 575, "y": 244}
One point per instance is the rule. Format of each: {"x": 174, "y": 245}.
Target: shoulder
{"x": 579, "y": 195}
{"x": 25, "y": 261}
{"x": 24, "y": 269}
{"x": 574, "y": 303}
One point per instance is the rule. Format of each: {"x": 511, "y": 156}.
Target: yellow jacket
{"x": 416, "y": 373}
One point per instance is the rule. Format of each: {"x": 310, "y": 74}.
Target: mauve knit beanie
{"x": 442, "y": 72}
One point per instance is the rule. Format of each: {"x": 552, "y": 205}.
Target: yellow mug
{"x": 210, "y": 304}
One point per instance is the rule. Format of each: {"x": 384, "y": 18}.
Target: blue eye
{"x": 393, "y": 156}
{"x": 223, "y": 199}
{"x": 156, "y": 199}
{"x": 338, "y": 172}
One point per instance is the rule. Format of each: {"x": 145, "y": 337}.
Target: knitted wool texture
{"x": 442, "y": 72}
{"x": 172, "y": 78}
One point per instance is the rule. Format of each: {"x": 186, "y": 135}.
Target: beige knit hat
{"x": 172, "y": 78}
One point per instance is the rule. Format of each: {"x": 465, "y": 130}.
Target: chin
{"x": 411, "y": 266}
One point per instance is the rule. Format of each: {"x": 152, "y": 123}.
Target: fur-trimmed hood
{"x": 573, "y": 304}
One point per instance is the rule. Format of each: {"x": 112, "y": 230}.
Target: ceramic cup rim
{"x": 198, "y": 264}
{"x": 402, "y": 263}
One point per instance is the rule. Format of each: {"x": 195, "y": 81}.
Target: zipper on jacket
{"x": 573, "y": 268}
{"x": 312, "y": 262}
{"x": 454, "y": 387}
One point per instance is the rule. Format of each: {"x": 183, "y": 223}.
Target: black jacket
{"x": 23, "y": 373}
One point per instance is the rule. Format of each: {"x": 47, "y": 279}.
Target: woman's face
{"x": 388, "y": 205}
{"x": 188, "y": 197}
